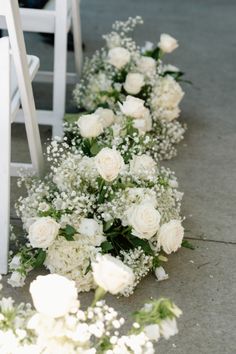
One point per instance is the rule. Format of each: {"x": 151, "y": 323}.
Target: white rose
{"x": 133, "y": 107}
{"x": 43, "y": 232}
{"x": 152, "y": 332}
{"x": 118, "y": 57}
{"x": 143, "y": 167}
{"x": 170, "y": 236}
{"x": 146, "y": 65}
{"x": 161, "y": 274}
{"x": 133, "y": 83}
{"x": 106, "y": 116}
{"x": 109, "y": 163}
{"x": 111, "y": 274}
{"x": 167, "y": 43}
{"x": 54, "y": 295}
{"x": 143, "y": 124}
{"x": 144, "y": 219}
{"x": 28, "y": 222}
{"x": 90, "y": 125}
{"x": 168, "y": 327}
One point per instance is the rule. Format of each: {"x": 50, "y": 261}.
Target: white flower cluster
{"x": 59, "y": 325}
{"x": 133, "y": 83}
{"x": 99, "y": 204}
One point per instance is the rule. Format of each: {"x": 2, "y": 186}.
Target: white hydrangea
{"x": 165, "y": 98}
{"x": 72, "y": 259}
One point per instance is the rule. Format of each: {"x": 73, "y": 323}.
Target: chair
{"x": 57, "y": 17}
{"x": 16, "y": 72}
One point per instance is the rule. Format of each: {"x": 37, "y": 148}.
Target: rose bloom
{"x": 54, "y": 295}
{"x": 146, "y": 65}
{"x": 143, "y": 167}
{"x": 133, "y": 107}
{"x": 171, "y": 235}
{"x": 106, "y": 116}
{"x": 90, "y": 125}
{"x": 112, "y": 274}
{"x": 133, "y": 83}
{"x": 109, "y": 163}
{"x": 167, "y": 43}
{"x": 43, "y": 232}
{"x": 144, "y": 219}
{"x": 118, "y": 57}
{"x": 143, "y": 124}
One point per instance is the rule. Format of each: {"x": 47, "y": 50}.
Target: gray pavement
{"x": 202, "y": 282}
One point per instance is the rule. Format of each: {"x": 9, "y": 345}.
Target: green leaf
{"x": 101, "y": 191}
{"x": 106, "y": 246}
{"x": 40, "y": 258}
{"x": 187, "y": 244}
{"x": 107, "y": 225}
{"x": 155, "y": 54}
{"x": 138, "y": 242}
{"x": 89, "y": 267}
{"x": 95, "y": 148}
{"x": 68, "y": 232}
{"x": 71, "y": 117}
{"x": 156, "y": 262}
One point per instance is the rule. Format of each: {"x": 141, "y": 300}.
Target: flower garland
{"x": 97, "y": 205}
{"x": 133, "y": 97}
{"x": 59, "y": 325}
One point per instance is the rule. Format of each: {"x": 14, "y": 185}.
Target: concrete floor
{"x": 202, "y": 282}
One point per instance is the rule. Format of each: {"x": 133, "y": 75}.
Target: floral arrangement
{"x": 59, "y": 325}
{"x": 101, "y": 204}
{"x": 129, "y": 96}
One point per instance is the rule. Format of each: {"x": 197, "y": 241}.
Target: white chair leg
{"x": 26, "y": 92}
{"x": 60, "y": 64}
{"x": 5, "y": 132}
{"x": 76, "y": 28}
{"x": 5, "y": 155}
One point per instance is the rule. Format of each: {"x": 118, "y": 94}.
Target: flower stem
{"x": 99, "y": 294}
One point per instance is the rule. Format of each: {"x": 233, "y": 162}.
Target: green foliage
{"x": 68, "y": 232}
{"x": 155, "y": 53}
{"x": 156, "y": 262}
{"x": 145, "y": 92}
{"x": 101, "y": 190}
{"x": 138, "y": 242}
{"x": 95, "y": 148}
{"x": 53, "y": 213}
{"x": 106, "y": 246}
{"x": 155, "y": 312}
{"x": 71, "y": 117}
{"x": 187, "y": 244}
{"x": 39, "y": 259}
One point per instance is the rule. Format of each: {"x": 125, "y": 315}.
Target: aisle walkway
{"x": 202, "y": 282}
